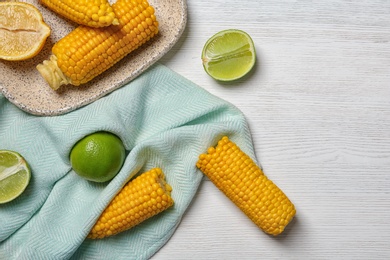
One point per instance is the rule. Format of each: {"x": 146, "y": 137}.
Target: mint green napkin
{"x": 164, "y": 121}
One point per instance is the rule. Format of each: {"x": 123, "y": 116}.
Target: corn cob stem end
{"x": 52, "y": 73}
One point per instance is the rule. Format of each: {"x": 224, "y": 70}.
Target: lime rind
{"x": 229, "y": 55}
{"x": 15, "y": 175}
{"x": 98, "y": 157}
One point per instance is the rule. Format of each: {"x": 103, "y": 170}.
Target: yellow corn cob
{"x": 87, "y": 52}
{"x": 145, "y": 196}
{"x": 244, "y": 183}
{"x": 96, "y": 13}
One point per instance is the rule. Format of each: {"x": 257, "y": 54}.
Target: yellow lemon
{"x": 23, "y": 32}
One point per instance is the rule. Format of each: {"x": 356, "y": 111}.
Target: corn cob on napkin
{"x": 164, "y": 121}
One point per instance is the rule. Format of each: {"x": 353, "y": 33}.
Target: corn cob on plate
{"x": 90, "y": 13}
{"x": 87, "y": 52}
{"x": 26, "y": 88}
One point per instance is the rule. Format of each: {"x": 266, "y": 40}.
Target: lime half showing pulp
{"x": 14, "y": 175}
{"x": 229, "y": 55}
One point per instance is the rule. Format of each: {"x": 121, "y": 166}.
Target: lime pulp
{"x": 229, "y": 55}
{"x": 14, "y": 175}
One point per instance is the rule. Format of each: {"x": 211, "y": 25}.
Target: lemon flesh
{"x": 98, "y": 157}
{"x": 229, "y": 55}
{"x": 14, "y": 175}
{"x": 23, "y": 32}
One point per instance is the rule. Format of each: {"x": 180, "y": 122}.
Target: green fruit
{"x": 229, "y": 55}
{"x": 98, "y": 157}
{"x": 14, "y": 175}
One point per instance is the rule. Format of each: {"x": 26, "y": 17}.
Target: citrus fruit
{"x": 98, "y": 157}
{"x": 14, "y": 175}
{"x": 22, "y": 31}
{"x": 229, "y": 55}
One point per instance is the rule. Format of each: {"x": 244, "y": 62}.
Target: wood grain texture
{"x": 318, "y": 105}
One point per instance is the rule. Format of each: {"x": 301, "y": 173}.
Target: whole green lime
{"x": 98, "y": 157}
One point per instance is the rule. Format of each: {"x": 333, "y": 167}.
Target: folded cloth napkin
{"x": 164, "y": 121}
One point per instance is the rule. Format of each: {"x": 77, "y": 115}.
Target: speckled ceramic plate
{"x": 22, "y": 84}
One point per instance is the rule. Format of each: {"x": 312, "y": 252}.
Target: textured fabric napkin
{"x": 164, "y": 121}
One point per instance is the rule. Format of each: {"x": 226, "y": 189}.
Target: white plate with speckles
{"x": 22, "y": 84}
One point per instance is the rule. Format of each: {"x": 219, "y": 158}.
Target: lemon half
{"x": 23, "y": 32}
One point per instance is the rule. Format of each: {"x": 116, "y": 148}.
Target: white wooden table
{"x": 318, "y": 104}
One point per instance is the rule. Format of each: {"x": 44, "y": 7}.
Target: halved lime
{"x": 14, "y": 175}
{"x": 229, "y": 55}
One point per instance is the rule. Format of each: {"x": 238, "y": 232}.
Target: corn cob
{"x": 97, "y": 13}
{"x": 244, "y": 183}
{"x": 87, "y": 52}
{"x": 145, "y": 196}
